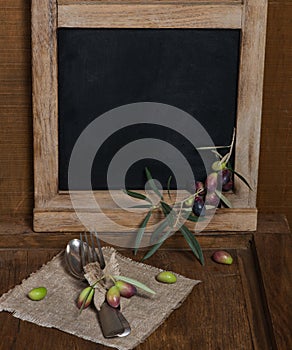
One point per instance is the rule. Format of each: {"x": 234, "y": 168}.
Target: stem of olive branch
{"x": 203, "y": 148}
{"x": 217, "y": 153}
{"x": 181, "y": 205}
{"x": 230, "y": 151}
{"x": 112, "y": 278}
{"x": 189, "y": 197}
{"x": 178, "y": 216}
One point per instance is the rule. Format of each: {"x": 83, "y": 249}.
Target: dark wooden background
{"x": 16, "y": 156}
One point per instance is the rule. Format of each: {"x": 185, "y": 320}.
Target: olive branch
{"x": 175, "y": 216}
{"x": 191, "y": 208}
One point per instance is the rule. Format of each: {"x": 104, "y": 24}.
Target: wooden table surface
{"x": 243, "y": 306}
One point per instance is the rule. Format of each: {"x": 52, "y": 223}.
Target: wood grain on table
{"x": 243, "y": 306}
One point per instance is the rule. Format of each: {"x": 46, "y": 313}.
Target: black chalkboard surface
{"x": 195, "y": 70}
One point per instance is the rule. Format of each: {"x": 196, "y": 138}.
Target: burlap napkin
{"x": 145, "y": 312}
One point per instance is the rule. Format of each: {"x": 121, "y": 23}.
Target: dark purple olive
{"x": 195, "y": 186}
{"x": 200, "y": 188}
{"x": 225, "y": 176}
{"x": 127, "y": 290}
{"x": 199, "y": 206}
{"x": 228, "y": 186}
{"x": 211, "y": 182}
{"x": 212, "y": 199}
{"x": 222, "y": 257}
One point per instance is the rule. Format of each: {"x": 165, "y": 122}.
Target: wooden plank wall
{"x": 16, "y": 173}
{"x": 275, "y": 175}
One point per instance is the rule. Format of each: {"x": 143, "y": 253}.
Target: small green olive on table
{"x": 166, "y": 277}
{"x": 37, "y": 294}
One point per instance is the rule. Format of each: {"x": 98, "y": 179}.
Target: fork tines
{"x": 88, "y": 252}
{"x": 100, "y": 257}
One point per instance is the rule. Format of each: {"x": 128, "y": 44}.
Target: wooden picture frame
{"x": 53, "y": 210}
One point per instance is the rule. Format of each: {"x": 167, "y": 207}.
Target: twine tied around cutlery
{"x": 58, "y": 309}
{"x": 93, "y": 272}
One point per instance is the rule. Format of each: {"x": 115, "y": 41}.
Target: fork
{"x": 92, "y": 255}
{"x": 112, "y": 321}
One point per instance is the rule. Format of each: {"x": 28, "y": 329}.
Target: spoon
{"x": 113, "y": 323}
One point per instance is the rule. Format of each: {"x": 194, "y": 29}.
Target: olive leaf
{"x": 137, "y": 195}
{"x": 143, "y": 206}
{"x": 189, "y": 237}
{"x": 168, "y": 213}
{"x": 168, "y": 186}
{"x": 240, "y": 176}
{"x": 223, "y": 199}
{"x": 162, "y": 226}
{"x": 166, "y": 208}
{"x": 193, "y": 218}
{"x": 141, "y": 231}
{"x": 134, "y": 283}
{"x": 152, "y": 250}
{"x": 193, "y": 243}
{"x": 152, "y": 183}
{"x": 157, "y": 245}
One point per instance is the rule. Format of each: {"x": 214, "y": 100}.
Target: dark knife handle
{"x": 110, "y": 322}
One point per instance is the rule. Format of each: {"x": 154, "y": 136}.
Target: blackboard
{"x": 195, "y": 70}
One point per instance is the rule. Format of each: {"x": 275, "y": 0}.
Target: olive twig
{"x": 226, "y": 160}
{"x": 179, "y": 214}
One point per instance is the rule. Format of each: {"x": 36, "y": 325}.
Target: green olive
{"x": 189, "y": 201}
{"x": 87, "y": 293}
{"x": 37, "y": 293}
{"x": 218, "y": 165}
{"x": 166, "y": 277}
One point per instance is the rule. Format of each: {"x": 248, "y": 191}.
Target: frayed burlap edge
{"x": 128, "y": 267}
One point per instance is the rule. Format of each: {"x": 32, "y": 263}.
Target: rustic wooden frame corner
{"x": 53, "y": 210}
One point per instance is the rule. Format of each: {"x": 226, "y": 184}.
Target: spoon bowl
{"x": 73, "y": 258}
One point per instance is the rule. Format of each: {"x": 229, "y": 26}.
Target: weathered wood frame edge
{"x": 52, "y": 210}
